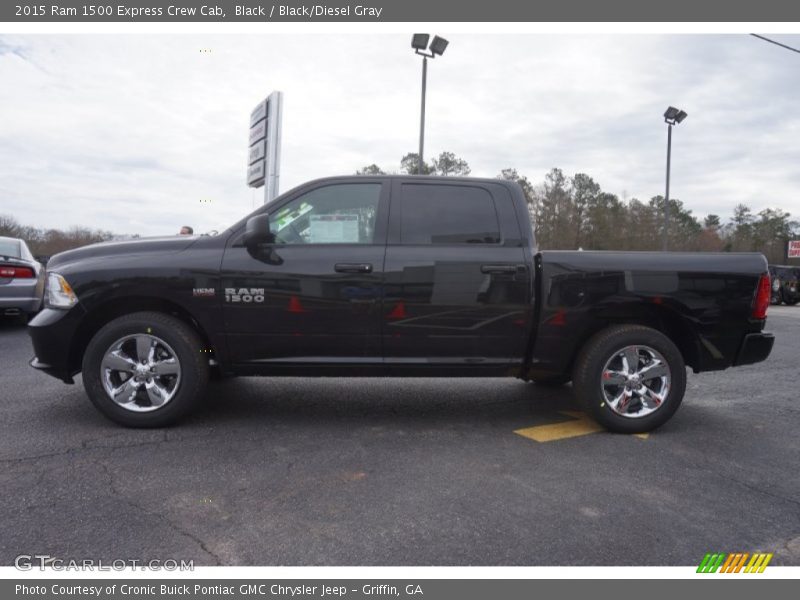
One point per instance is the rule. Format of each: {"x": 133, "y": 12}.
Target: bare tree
{"x": 448, "y": 164}
{"x": 372, "y": 169}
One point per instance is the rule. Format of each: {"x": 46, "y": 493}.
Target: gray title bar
{"x": 395, "y": 10}
{"x": 423, "y": 589}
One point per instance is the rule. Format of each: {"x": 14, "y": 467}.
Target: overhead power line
{"x": 766, "y": 39}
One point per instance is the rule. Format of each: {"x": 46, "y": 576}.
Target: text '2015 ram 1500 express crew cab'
{"x": 395, "y": 276}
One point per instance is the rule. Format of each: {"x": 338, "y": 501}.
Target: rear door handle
{"x": 353, "y": 268}
{"x": 501, "y": 268}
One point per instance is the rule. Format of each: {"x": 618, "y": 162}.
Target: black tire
{"x": 792, "y": 302}
{"x": 604, "y": 346}
{"x": 180, "y": 338}
{"x": 552, "y": 380}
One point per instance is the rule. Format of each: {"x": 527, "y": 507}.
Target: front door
{"x": 313, "y": 294}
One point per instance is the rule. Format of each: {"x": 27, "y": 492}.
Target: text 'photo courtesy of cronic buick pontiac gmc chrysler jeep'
{"x": 395, "y": 276}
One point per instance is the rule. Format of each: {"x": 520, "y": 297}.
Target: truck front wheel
{"x": 145, "y": 369}
{"x": 630, "y": 378}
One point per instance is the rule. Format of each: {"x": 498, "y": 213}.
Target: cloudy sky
{"x": 130, "y": 132}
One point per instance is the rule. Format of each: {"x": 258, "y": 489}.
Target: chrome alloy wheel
{"x": 140, "y": 372}
{"x": 635, "y": 381}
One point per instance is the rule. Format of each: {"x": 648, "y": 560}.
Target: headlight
{"x": 59, "y": 293}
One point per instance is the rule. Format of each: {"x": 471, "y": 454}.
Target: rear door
{"x": 312, "y": 296}
{"x": 457, "y": 287}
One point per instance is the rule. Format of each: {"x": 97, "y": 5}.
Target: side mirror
{"x": 257, "y": 231}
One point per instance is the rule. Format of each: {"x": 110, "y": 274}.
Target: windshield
{"x": 9, "y": 248}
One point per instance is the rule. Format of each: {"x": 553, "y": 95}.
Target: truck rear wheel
{"x": 145, "y": 369}
{"x": 630, "y": 378}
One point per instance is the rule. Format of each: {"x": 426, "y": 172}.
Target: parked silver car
{"x": 21, "y": 279}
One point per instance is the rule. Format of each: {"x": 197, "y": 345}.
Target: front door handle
{"x": 501, "y": 268}
{"x": 353, "y": 268}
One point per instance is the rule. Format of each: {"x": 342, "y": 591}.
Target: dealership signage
{"x": 264, "y": 145}
{"x": 793, "y": 251}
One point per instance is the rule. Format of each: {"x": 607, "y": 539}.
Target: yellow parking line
{"x": 581, "y": 424}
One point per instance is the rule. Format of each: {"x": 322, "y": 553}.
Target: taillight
{"x": 761, "y": 301}
{"x": 17, "y": 272}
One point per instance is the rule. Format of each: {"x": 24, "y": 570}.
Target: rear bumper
{"x": 21, "y": 303}
{"x": 755, "y": 348}
{"x": 21, "y": 294}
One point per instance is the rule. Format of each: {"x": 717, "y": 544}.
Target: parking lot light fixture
{"x": 438, "y": 45}
{"x": 419, "y": 42}
{"x": 672, "y": 116}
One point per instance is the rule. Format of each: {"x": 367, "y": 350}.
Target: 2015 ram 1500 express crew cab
{"x": 395, "y": 276}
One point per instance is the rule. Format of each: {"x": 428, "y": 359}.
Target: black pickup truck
{"x": 395, "y": 276}
{"x": 785, "y": 284}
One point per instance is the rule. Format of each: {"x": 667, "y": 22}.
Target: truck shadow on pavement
{"x": 12, "y": 324}
{"x": 305, "y": 400}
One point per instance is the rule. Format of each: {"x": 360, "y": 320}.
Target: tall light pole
{"x": 672, "y": 116}
{"x": 419, "y": 42}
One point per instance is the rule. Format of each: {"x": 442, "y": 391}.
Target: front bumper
{"x": 791, "y": 297}
{"x": 53, "y": 333}
{"x": 755, "y": 348}
{"x": 56, "y": 372}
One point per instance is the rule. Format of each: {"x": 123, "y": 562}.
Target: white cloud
{"x": 130, "y": 132}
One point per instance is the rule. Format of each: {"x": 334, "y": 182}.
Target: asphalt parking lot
{"x": 402, "y": 472}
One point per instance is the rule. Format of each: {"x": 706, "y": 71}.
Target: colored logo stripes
{"x": 734, "y": 562}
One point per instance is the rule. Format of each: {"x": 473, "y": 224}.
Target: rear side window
{"x": 447, "y": 214}
{"x": 9, "y": 248}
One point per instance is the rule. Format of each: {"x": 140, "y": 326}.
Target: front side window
{"x": 335, "y": 214}
{"x": 448, "y": 214}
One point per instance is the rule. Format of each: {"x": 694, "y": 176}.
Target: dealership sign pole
{"x": 264, "y": 154}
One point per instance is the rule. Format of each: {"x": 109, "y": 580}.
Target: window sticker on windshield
{"x": 334, "y": 229}
{"x": 287, "y": 216}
